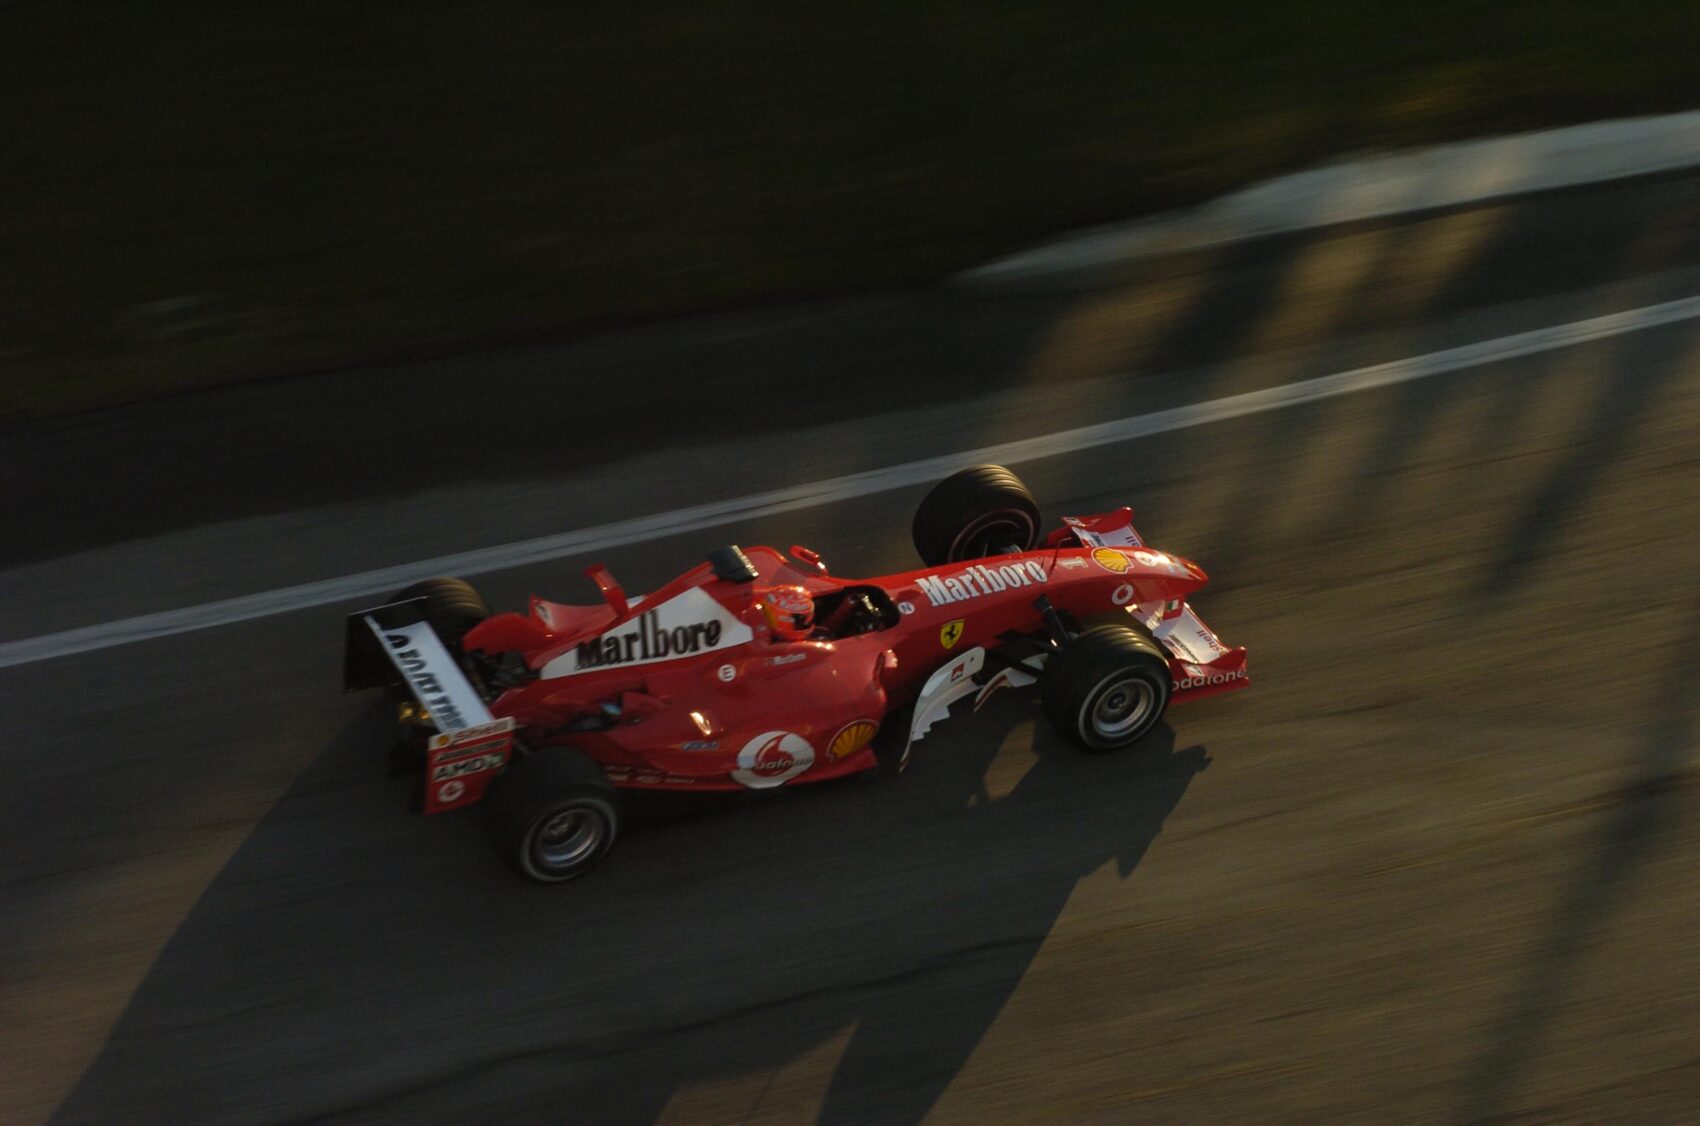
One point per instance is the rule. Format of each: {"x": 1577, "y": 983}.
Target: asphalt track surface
{"x": 1437, "y": 864}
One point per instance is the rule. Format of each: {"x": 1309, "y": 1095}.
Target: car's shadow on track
{"x": 353, "y": 960}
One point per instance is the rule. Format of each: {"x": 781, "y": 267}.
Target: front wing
{"x": 1200, "y": 664}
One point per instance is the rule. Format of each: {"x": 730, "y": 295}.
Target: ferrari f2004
{"x": 759, "y": 668}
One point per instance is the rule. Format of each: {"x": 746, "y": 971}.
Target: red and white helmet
{"x": 789, "y": 610}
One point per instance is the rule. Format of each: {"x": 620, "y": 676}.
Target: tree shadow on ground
{"x": 352, "y": 961}
{"x": 1645, "y": 812}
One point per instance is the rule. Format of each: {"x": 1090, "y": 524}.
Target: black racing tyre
{"x": 1106, "y": 688}
{"x": 452, "y": 606}
{"x": 973, "y": 513}
{"x": 552, "y": 814}
{"x": 1119, "y": 617}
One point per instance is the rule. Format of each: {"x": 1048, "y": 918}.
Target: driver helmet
{"x": 789, "y": 610}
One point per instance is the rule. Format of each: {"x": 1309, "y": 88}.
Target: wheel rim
{"x": 992, "y": 533}
{"x": 1123, "y": 707}
{"x": 567, "y": 837}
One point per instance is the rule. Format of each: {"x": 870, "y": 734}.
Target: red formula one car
{"x": 759, "y": 669}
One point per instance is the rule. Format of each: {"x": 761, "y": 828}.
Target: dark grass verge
{"x": 199, "y": 193}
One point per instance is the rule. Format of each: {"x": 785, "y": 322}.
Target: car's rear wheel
{"x": 552, "y": 814}
{"x": 452, "y": 606}
{"x": 973, "y": 513}
{"x": 1106, "y": 688}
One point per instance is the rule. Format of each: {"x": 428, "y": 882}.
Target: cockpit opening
{"x": 853, "y": 610}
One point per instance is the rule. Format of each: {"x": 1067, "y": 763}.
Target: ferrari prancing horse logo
{"x": 950, "y": 632}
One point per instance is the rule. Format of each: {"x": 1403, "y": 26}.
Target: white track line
{"x": 368, "y": 584}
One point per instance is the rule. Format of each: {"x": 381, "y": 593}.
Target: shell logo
{"x": 773, "y": 758}
{"x": 1111, "y": 560}
{"x": 851, "y": 738}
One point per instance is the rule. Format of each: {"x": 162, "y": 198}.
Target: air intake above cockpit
{"x": 731, "y": 564}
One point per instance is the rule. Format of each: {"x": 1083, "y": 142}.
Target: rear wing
{"x": 393, "y": 646}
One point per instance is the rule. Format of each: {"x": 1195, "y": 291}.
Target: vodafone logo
{"x": 1156, "y": 560}
{"x": 773, "y": 758}
{"x": 450, "y": 791}
{"x": 1206, "y": 681}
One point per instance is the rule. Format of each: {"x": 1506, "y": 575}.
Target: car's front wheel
{"x": 552, "y": 814}
{"x": 973, "y": 513}
{"x": 1106, "y": 688}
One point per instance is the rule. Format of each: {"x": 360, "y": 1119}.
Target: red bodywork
{"x": 687, "y": 688}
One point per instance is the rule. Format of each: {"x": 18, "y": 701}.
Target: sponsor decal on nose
{"x": 980, "y": 580}
{"x": 1111, "y": 560}
{"x": 1209, "y": 679}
